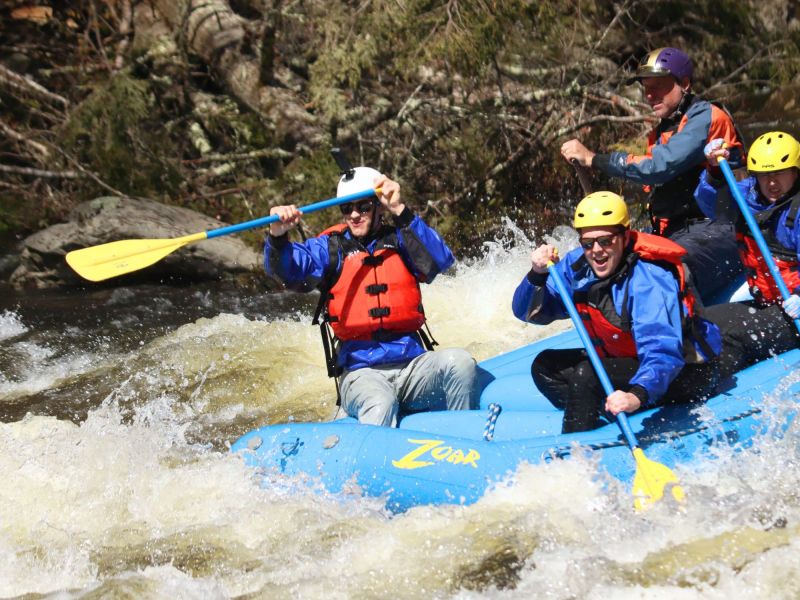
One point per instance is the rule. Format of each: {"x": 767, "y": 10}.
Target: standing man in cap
{"x": 671, "y": 167}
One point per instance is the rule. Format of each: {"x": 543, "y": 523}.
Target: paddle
{"x": 583, "y": 176}
{"x": 755, "y": 231}
{"x": 651, "y": 477}
{"x": 97, "y": 263}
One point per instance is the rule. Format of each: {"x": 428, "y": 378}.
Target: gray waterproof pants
{"x": 441, "y": 380}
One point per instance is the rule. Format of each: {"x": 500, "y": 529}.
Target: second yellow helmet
{"x": 773, "y": 151}
{"x": 601, "y": 208}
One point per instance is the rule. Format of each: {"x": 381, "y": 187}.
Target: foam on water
{"x": 116, "y": 502}
{"x": 11, "y": 325}
{"x": 38, "y": 367}
{"x": 141, "y": 498}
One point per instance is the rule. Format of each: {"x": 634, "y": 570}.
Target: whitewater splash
{"x": 11, "y": 325}
{"x": 137, "y": 495}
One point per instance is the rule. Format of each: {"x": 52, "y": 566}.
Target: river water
{"x": 117, "y": 407}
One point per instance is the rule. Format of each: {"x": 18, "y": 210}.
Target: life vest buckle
{"x": 379, "y": 312}
{"x": 373, "y": 260}
{"x": 377, "y": 288}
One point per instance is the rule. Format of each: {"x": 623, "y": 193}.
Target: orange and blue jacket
{"x": 671, "y": 167}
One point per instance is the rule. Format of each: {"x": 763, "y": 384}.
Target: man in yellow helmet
{"x": 641, "y": 314}
{"x": 772, "y": 193}
{"x": 670, "y": 168}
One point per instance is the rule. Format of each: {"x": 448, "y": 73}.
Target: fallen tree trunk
{"x": 210, "y": 30}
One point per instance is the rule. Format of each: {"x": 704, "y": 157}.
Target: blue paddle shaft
{"x": 755, "y": 232}
{"x": 212, "y": 233}
{"x": 566, "y": 298}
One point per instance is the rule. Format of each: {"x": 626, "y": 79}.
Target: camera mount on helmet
{"x": 353, "y": 179}
{"x": 348, "y": 170}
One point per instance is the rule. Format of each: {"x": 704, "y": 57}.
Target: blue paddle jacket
{"x": 782, "y": 238}
{"x": 653, "y": 305}
{"x": 707, "y": 192}
{"x": 667, "y": 158}
{"x": 706, "y": 196}
{"x": 305, "y": 266}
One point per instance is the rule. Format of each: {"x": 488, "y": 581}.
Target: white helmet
{"x": 362, "y": 178}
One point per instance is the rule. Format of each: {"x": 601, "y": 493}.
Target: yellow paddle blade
{"x": 105, "y": 261}
{"x": 650, "y": 480}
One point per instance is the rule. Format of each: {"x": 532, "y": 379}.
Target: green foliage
{"x": 304, "y": 181}
{"x": 7, "y": 220}
{"x": 113, "y": 132}
{"x": 229, "y": 127}
{"x": 460, "y": 100}
{"x": 307, "y": 180}
{"x": 347, "y": 47}
{"x": 391, "y": 39}
{"x": 465, "y": 35}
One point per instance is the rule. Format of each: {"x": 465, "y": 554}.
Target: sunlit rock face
{"x": 109, "y": 219}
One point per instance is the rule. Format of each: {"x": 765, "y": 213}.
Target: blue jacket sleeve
{"x": 656, "y": 316}
{"x": 301, "y": 266}
{"x": 536, "y": 299}
{"x": 423, "y": 249}
{"x": 682, "y": 151}
{"x": 706, "y": 196}
{"x": 707, "y": 191}
{"x": 523, "y": 298}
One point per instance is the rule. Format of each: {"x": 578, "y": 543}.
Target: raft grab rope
{"x": 491, "y": 420}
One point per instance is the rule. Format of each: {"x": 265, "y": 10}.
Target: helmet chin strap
{"x": 686, "y": 98}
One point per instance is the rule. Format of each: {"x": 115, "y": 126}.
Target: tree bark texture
{"x": 228, "y": 44}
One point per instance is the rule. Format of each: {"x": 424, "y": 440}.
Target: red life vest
{"x": 609, "y": 331}
{"x": 374, "y": 293}
{"x": 762, "y": 285}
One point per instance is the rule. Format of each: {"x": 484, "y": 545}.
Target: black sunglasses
{"x": 363, "y": 207}
{"x": 604, "y": 241}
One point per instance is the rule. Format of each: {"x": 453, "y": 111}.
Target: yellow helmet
{"x": 773, "y": 151}
{"x": 601, "y": 208}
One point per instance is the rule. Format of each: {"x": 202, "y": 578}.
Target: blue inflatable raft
{"x": 454, "y": 457}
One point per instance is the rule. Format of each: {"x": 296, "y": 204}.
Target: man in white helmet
{"x": 368, "y": 273}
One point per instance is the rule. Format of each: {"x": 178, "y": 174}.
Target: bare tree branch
{"x": 27, "y": 86}
{"x": 40, "y": 172}
{"x": 255, "y": 154}
{"x": 125, "y": 21}
{"x": 599, "y": 119}
{"x": 39, "y": 150}
{"x": 89, "y": 174}
{"x": 757, "y": 57}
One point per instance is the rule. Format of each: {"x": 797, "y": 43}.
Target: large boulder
{"x": 108, "y": 219}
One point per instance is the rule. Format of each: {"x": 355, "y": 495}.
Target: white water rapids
{"x": 117, "y": 481}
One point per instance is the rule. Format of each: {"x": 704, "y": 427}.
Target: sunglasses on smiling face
{"x": 362, "y": 207}
{"x": 604, "y": 241}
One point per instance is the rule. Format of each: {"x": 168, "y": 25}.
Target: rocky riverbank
{"x": 41, "y": 262}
